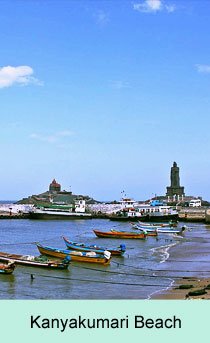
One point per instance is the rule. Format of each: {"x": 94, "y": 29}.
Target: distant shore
{"x": 180, "y": 290}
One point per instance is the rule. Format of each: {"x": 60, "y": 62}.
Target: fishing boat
{"x": 148, "y": 228}
{"x": 119, "y": 234}
{"x": 97, "y": 249}
{"x": 79, "y": 256}
{"x": 7, "y": 268}
{"x": 32, "y": 261}
{"x": 158, "y": 229}
{"x": 152, "y": 233}
{"x": 169, "y": 224}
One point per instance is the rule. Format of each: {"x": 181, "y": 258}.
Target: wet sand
{"x": 147, "y": 268}
{"x": 179, "y": 292}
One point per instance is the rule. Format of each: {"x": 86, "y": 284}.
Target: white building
{"x": 195, "y": 203}
{"x": 79, "y": 206}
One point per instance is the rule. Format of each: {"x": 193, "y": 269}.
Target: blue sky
{"x": 104, "y": 96}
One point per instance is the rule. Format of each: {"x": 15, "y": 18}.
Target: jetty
{"x": 8, "y": 215}
{"x": 191, "y": 214}
{"x": 14, "y": 211}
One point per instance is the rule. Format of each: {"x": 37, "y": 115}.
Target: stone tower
{"x": 175, "y": 191}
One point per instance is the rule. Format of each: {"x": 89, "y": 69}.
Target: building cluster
{"x": 175, "y": 195}
{"x": 54, "y": 195}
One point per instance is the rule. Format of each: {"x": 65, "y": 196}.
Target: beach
{"x": 150, "y": 269}
{"x": 189, "y": 265}
{"x": 180, "y": 291}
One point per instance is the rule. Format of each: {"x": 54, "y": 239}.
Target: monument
{"x": 175, "y": 191}
{"x": 54, "y": 186}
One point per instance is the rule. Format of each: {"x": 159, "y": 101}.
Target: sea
{"x": 148, "y": 267}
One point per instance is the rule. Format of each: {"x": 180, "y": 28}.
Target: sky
{"x": 104, "y": 96}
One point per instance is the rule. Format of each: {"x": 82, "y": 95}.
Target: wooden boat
{"x": 148, "y": 228}
{"x": 119, "y": 234}
{"x": 90, "y": 257}
{"x": 152, "y": 233}
{"x": 157, "y": 229}
{"x": 31, "y": 261}
{"x": 171, "y": 230}
{"x": 169, "y": 224}
{"x": 97, "y": 249}
{"x": 7, "y": 268}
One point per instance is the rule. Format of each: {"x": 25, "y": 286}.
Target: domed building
{"x": 54, "y": 186}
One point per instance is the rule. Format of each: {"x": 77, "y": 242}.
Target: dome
{"x": 54, "y": 186}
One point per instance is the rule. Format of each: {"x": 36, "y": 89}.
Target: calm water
{"x": 147, "y": 267}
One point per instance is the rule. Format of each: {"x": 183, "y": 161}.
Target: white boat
{"x": 58, "y": 212}
{"x": 158, "y": 229}
{"x": 146, "y": 213}
{"x": 169, "y": 224}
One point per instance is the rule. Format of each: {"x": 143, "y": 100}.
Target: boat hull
{"x": 63, "y": 253}
{"x": 6, "y": 257}
{"x": 96, "y": 249}
{"x": 6, "y": 269}
{"x": 154, "y": 224}
{"x": 147, "y": 218}
{"x": 119, "y": 234}
{"x": 58, "y": 216}
{"x": 150, "y": 231}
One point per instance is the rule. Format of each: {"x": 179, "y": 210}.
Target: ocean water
{"x": 148, "y": 266}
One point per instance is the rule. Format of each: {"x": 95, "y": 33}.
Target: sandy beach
{"x": 181, "y": 290}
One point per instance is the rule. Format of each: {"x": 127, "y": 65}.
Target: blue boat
{"x": 79, "y": 256}
{"x": 97, "y": 249}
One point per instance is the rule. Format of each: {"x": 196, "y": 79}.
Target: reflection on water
{"x": 147, "y": 267}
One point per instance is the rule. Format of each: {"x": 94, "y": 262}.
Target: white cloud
{"x": 203, "y": 68}
{"x": 119, "y": 84}
{"x": 53, "y": 138}
{"x": 64, "y": 133}
{"x": 47, "y": 138}
{"x": 153, "y": 6}
{"x": 102, "y": 18}
{"x": 21, "y": 75}
{"x": 170, "y": 8}
{"x": 148, "y": 6}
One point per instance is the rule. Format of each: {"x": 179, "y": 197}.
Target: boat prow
{"x": 7, "y": 268}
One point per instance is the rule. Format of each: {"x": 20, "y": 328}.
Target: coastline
{"x": 177, "y": 292}
{"x": 190, "y": 256}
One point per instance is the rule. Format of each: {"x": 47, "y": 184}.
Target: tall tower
{"x": 175, "y": 191}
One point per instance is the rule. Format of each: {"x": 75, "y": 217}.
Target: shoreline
{"x": 177, "y": 291}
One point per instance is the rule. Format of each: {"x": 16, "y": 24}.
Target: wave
{"x": 163, "y": 251}
{"x": 161, "y": 290}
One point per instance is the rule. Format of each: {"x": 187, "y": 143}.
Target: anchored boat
{"x": 97, "y": 249}
{"x": 119, "y": 234}
{"x": 32, "y": 261}
{"x": 146, "y": 213}
{"x": 7, "y": 268}
{"x": 158, "y": 229}
{"x": 78, "y": 256}
{"x": 55, "y": 211}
